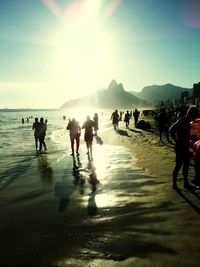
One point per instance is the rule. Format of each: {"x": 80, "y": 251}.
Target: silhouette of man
{"x": 36, "y": 128}
{"x": 180, "y": 133}
{"x": 127, "y": 117}
{"x": 74, "y": 133}
{"x": 163, "y": 123}
{"x": 42, "y": 134}
{"x": 96, "y": 123}
{"x": 136, "y": 115}
{"x": 115, "y": 119}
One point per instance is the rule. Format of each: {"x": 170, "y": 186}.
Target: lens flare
{"x": 191, "y": 13}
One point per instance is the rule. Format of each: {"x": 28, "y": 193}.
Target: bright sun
{"x": 82, "y": 58}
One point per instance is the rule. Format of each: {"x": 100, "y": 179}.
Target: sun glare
{"x": 83, "y": 50}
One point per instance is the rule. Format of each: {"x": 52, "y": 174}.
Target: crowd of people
{"x": 117, "y": 116}
{"x": 175, "y": 124}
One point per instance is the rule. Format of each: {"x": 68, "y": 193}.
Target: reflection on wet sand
{"x": 104, "y": 207}
{"x": 79, "y": 179}
{"x": 92, "y": 206}
{"x": 93, "y": 181}
{"x": 93, "y": 175}
{"x": 46, "y": 171}
{"x": 63, "y": 190}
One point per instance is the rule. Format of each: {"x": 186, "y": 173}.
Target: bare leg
{"x": 77, "y": 144}
{"x": 72, "y": 145}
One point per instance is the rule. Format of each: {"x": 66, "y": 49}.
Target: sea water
{"x": 17, "y": 145}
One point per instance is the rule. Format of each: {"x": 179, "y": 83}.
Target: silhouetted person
{"x": 42, "y": 134}
{"x": 115, "y": 119}
{"x": 136, "y": 115}
{"x": 180, "y": 133}
{"x": 22, "y": 120}
{"x": 96, "y": 123}
{"x": 74, "y": 133}
{"x": 120, "y": 115}
{"x": 88, "y": 125}
{"x": 127, "y": 117}
{"x": 163, "y": 124}
{"x": 36, "y": 128}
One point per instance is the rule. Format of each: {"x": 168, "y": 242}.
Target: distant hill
{"x": 113, "y": 97}
{"x": 156, "y": 93}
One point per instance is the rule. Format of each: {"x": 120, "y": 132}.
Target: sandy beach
{"x": 118, "y": 209}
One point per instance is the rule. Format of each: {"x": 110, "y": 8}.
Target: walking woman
{"x": 88, "y": 125}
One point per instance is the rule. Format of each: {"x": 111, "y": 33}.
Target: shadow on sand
{"x": 187, "y": 197}
{"x": 46, "y": 171}
{"x": 122, "y": 132}
{"x": 136, "y": 131}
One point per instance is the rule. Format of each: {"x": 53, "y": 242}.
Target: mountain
{"x": 156, "y": 93}
{"x": 113, "y": 97}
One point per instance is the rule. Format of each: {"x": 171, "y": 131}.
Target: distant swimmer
{"x": 36, "y": 128}
{"x": 42, "y": 134}
{"x": 88, "y": 125}
{"x": 74, "y": 133}
{"x": 22, "y": 120}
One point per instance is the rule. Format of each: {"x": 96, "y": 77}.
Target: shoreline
{"x": 52, "y": 216}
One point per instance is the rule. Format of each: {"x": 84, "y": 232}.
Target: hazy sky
{"x": 55, "y": 50}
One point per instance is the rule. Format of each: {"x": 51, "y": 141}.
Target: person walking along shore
{"x": 74, "y": 133}
{"x": 88, "y": 125}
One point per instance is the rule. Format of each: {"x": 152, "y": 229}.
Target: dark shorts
{"x": 182, "y": 153}
{"x": 75, "y": 136}
{"x": 88, "y": 137}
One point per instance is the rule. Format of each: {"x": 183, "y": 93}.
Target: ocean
{"x": 17, "y": 146}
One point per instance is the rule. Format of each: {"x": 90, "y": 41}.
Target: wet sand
{"x": 115, "y": 210}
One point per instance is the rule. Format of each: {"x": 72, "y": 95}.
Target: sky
{"x": 52, "y": 51}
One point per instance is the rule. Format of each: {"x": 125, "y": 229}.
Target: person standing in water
{"x": 88, "y": 125}
{"x": 42, "y": 134}
{"x": 74, "y": 133}
{"x": 36, "y": 128}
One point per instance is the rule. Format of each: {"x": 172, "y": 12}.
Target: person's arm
{"x": 172, "y": 131}
{"x": 68, "y": 126}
